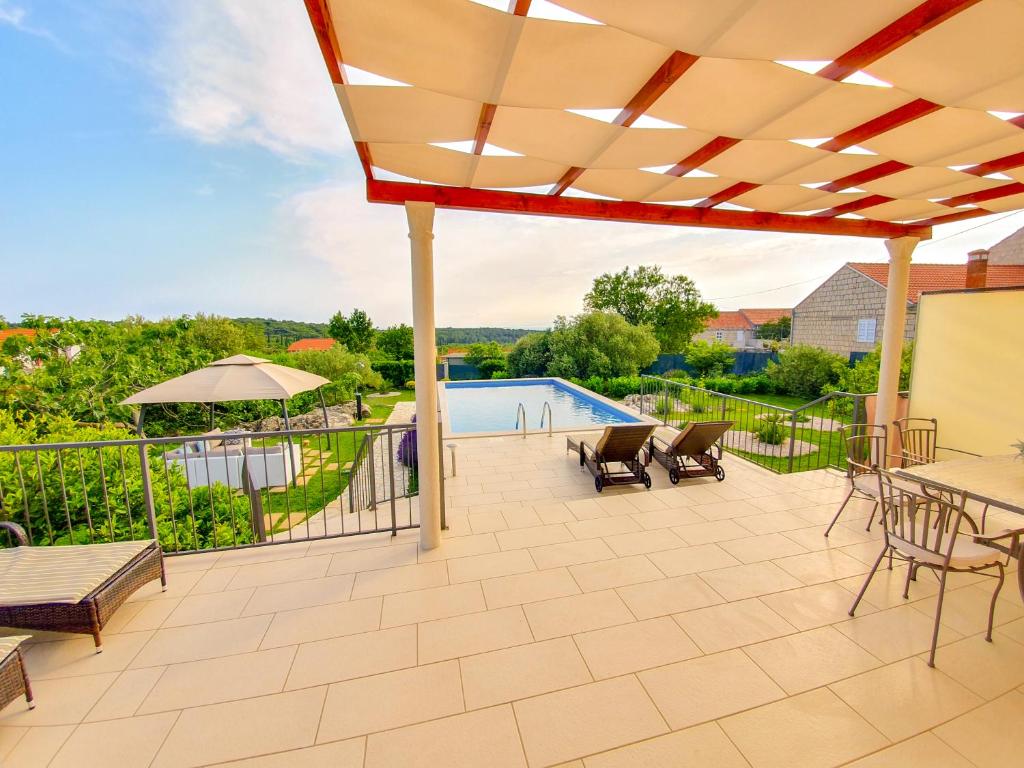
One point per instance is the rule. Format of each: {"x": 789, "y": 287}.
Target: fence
{"x": 744, "y": 362}
{"x": 210, "y": 492}
{"x": 772, "y": 436}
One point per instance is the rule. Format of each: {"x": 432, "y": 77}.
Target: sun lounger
{"x": 13, "y": 678}
{"x": 74, "y": 588}
{"x": 694, "y": 451}
{"x": 620, "y": 444}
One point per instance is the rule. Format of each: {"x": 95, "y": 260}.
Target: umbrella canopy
{"x": 239, "y": 377}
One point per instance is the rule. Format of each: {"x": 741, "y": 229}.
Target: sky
{"x": 181, "y": 156}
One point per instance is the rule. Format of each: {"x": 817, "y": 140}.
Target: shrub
{"x": 771, "y": 430}
{"x": 805, "y": 371}
{"x": 395, "y": 372}
{"x": 714, "y": 358}
{"x": 501, "y": 375}
{"x": 410, "y": 384}
{"x": 490, "y": 366}
{"x": 616, "y": 387}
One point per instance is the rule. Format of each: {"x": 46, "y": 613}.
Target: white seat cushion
{"x": 8, "y": 644}
{"x": 966, "y": 552}
{"x": 61, "y": 574}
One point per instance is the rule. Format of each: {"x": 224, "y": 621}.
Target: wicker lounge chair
{"x": 620, "y": 444}
{"x": 13, "y": 677}
{"x": 694, "y": 451}
{"x": 74, "y": 588}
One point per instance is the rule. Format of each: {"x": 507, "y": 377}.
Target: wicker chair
{"x": 90, "y": 613}
{"x": 13, "y": 677}
{"x": 619, "y": 444}
{"x": 694, "y": 451}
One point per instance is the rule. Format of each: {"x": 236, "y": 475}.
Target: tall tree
{"x": 672, "y": 306}
{"x": 356, "y": 331}
{"x": 396, "y": 342}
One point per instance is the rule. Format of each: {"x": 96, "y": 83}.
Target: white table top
{"x": 995, "y": 480}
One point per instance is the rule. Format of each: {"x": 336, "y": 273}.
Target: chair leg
{"x": 910, "y": 574}
{"x": 938, "y": 616}
{"x": 839, "y": 512}
{"x": 874, "y": 511}
{"x": 867, "y": 581}
{"x": 992, "y": 605}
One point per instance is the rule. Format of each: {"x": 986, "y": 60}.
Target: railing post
{"x": 147, "y": 490}
{"x": 372, "y": 472}
{"x": 440, "y": 462}
{"x": 792, "y": 440}
{"x": 664, "y": 404}
{"x": 391, "y": 481}
{"x": 259, "y": 524}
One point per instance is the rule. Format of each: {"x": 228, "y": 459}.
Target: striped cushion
{"x": 8, "y": 644}
{"x": 63, "y": 574}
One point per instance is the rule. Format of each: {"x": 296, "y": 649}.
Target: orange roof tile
{"x": 941, "y": 277}
{"x": 729, "y": 321}
{"x": 762, "y": 316}
{"x": 318, "y": 345}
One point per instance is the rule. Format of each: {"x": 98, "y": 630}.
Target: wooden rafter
{"x": 1005, "y": 190}
{"x": 483, "y": 127}
{"x": 466, "y": 198}
{"x": 887, "y": 168}
{"x": 854, "y": 205}
{"x": 519, "y": 7}
{"x": 695, "y": 160}
{"x": 892, "y": 119}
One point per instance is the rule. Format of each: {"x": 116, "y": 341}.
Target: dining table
{"x": 997, "y": 481}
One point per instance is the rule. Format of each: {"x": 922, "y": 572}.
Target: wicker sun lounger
{"x": 13, "y": 677}
{"x": 74, "y": 588}
{"x": 620, "y": 444}
{"x": 695, "y": 451}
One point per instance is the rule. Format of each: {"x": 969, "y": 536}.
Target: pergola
{"x": 837, "y": 117}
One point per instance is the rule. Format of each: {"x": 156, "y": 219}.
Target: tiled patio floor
{"x": 703, "y": 625}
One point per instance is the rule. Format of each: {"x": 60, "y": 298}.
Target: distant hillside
{"x": 448, "y": 336}
{"x": 284, "y": 332}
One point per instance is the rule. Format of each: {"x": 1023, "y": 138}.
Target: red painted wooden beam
{"x": 483, "y": 127}
{"x": 854, "y": 205}
{"x": 902, "y": 31}
{"x": 728, "y": 193}
{"x": 997, "y": 165}
{"x": 887, "y": 168}
{"x": 949, "y": 218}
{"x": 692, "y": 162}
{"x": 465, "y": 198}
{"x": 519, "y": 7}
{"x": 893, "y": 119}
{"x": 1014, "y": 188}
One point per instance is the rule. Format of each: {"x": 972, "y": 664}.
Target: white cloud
{"x": 17, "y": 17}
{"x": 247, "y": 71}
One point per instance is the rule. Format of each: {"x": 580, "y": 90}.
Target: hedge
{"x": 395, "y": 372}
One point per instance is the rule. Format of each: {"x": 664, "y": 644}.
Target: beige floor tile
{"x": 709, "y": 533}
{"x": 36, "y": 747}
{"x": 766, "y": 547}
{"x": 645, "y": 502}
{"x": 603, "y": 526}
{"x": 702, "y": 746}
{"x": 460, "y": 546}
{"x": 178, "y": 585}
{"x": 906, "y": 698}
{"x": 530, "y": 587}
{"x": 404, "y": 578}
{"x": 152, "y": 615}
{"x": 373, "y": 559}
{"x": 215, "y": 580}
{"x": 1013, "y": 629}
{"x": 818, "y": 567}
{"x": 337, "y": 754}
{"x": 660, "y": 598}
{"x": 523, "y": 518}
{"x": 576, "y": 613}
{"x": 280, "y": 571}
{"x": 570, "y": 553}
{"x": 300, "y": 594}
{"x": 607, "y": 574}
{"x": 537, "y": 536}
{"x": 703, "y": 557}
{"x": 708, "y": 688}
{"x": 237, "y": 729}
{"x": 924, "y": 751}
{"x": 841, "y": 536}
{"x": 990, "y": 735}
{"x": 726, "y": 510}
{"x": 429, "y": 604}
{"x": 811, "y": 659}
{"x": 344, "y": 658}
{"x": 817, "y": 726}
{"x": 772, "y": 522}
{"x": 66, "y": 658}
{"x": 126, "y": 694}
{"x": 321, "y": 622}
{"x": 490, "y": 566}
{"x": 217, "y": 606}
{"x": 582, "y": 721}
{"x": 815, "y": 606}
{"x": 886, "y": 587}
{"x": 895, "y": 633}
{"x": 667, "y": 518}
{"x": 485, "y": 737}
{"x": 129, "y": 742}
{"x": 616, "y": 502}
{"x": 215, "y": 680}
{"x": 586, "y": 509}
{"x": 486, "y": 522}
{"x": 750, "y": 580}
{"x": 391, "y": 700}
{"x": 526, "y": 670}
{"x": 987, "y": 669}
{"x": 631, "y": 647}
{"x": 722, "y": 627}
{"x": 966, "y": 610}
{"x": 202, "y": 641}
{"x": 781, "y": 501}
{"x": 58, "y": 702}
{"x": 474, "y": 633}
{"x": 641, "y": 542}
{"x": 553, "y": 512}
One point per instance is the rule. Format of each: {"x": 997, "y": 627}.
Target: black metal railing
{"x": 210, "y": 492}
{"x": 773, "y": 436}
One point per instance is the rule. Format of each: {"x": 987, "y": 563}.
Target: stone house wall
{"x": 828, "y": 317}
{"x": 729, "y": 337}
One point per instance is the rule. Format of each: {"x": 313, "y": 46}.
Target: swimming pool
{"x": 491, "y": 406}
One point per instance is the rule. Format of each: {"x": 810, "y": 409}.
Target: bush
{"x": 410, "y": 384}
{"x": 395, "y": 372}
{"x": 709, "y": 358}
{"x": 501, "y": 375}
{"x": 490, "y": 366}
{"x": 805, "y": 371}
{"x": 616, "y": 387}
{"x": 771, "y": 430}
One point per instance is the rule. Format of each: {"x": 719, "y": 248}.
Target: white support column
{"x": 421, "y": 235}
{"x": 900, "y": 250}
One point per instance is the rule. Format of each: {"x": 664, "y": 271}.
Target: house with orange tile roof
{"x": 739, "y": 328}
{"x": 315, "y": 345}
{"x": 845, "y": 313}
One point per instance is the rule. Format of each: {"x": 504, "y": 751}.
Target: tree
{"x": 862, "y": 378}
{"x": 806, "y": 371}
{"x": 396, "y": 342}
{"x": 599, "y": 344}
{"x": 485, "y": 350}
{"x": 777, "y": 330}
{"x": 355, "y": 331}
{"x": 531, "y": 355}
{"x": 709, "y": 358}
{"x": 224, "y": 337}
{"x": 672, "y": 306}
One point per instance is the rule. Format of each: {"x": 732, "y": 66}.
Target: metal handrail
{"x": 551, "y": 419}
{"x": 521, "y": 409}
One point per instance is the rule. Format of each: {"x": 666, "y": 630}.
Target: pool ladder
{"x": 546, "y": 409}
{"x": 521, "y": 411}
{"x": 521, "y": 417}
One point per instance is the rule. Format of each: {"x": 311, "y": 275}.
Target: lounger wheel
{"x": 719, "y": 474}
{"x": 646, "y": 477}
{"x": 598, "y": 484}
{"x": 673, "y": 475}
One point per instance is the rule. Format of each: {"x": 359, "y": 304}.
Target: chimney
{"x": 977, "y": 266}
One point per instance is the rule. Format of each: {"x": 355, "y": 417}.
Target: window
{"x": 739, "y": 338}
{"x": 719, "y": 335}
{"x": 866, "y": 330}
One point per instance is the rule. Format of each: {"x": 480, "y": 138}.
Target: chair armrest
{"x": 1006, "y": 533}
{"x": 585, "y": 446}
{"x": 16, "y": 531}
{"x": 661, "y": 440}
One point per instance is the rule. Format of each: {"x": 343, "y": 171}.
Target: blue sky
{"x": 183, "y": 156}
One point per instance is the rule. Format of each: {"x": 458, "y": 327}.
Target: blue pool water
{"x": 490, "y": 406}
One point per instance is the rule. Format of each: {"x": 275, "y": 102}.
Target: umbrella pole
{"x": 327, "y": 423}
{"x": 212, "y": 422}
{"x": 291, "y": 444}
